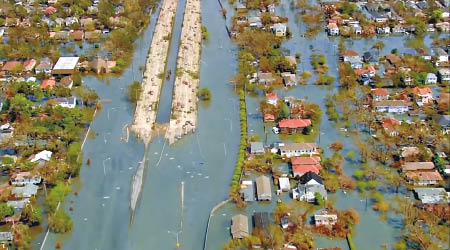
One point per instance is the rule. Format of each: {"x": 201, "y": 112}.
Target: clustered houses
{"x": 370, "y": 18}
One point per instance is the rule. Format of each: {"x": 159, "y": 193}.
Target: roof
{"x": 332, "y": 26}
{"x": 304, "y": 168}
{"x": 256, "y": 146}
{"x": 394, "y": 59}
{"x": 26, "y": 191}
{"x": 410, "y": 151}
{"x": 439, "y": 52}
{"x": 66, "y": 81}
{"x": 10, "y": 65}
{"x": 92, "y": 34}
{"x": 6, "y": 236}
{"x": 271, "y": 96}
{"x": 239, "y": 226}
{"x": 43, "y": 155}
{"x": 305, "y": 160}
{"x": 294, "y": 123}
{"x": 430, "y": 195}
{"x": 424, "y": 176}
{"x": 66, "y": 63}
{"x": 265, "y": 76}
{"x": 284, "y": 183}
{"x": 414, "y": 166}
{"x": 310, "y": 176}
{"x": 77, "y": 35}
{"x": 48, "y": 83}
{"x": 29, "y": 64}
{"x": 45, "y": 63}
{"x": 391, "y": 103}
{"x": 299, "y": 146}
{"x": 263, "y": 186}
{"x": 444, "y": 120}
{"x": 422, "y": 91}
{"x": 390, "y": 122}
{"x": 380, "y": 92}
{"x": 350, "y": 53}
{"x": 444, "y": 71}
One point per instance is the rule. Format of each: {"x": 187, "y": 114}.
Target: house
{"x": 44, "y": 155}
{"x": 390, "y": 126}
{"x": 346, "y": 55}
{"x": 69, "y": 21}
{"x": 444, "y": 122}
{"x": 333, "y": 29}
{"x": 272, "y": 98}
{"x": 261, "y": 220}
{"x": 92, "y": 35}
{"x": 443, "y": 26}
{"x": 431, "y": 79}
{"x": 65, "y": 66}
{"x": 322, "y": 217}
{"x": 379, "y": 94}
{"x": 391, "y": 106}
{"x": 289, "y": 79}
{"x": 444, "y": 74}
{"x": 371, "y": 57}
{"x": 417, "y": 166}
{"x": 67, "y": 102}
{"x": 239, "y": 226}
{"x": 29, "y": 64}
{"x": 443, "y": 101}
{"x": 257, "y": 148}
{"x": 18, "y": 205}
{"x": 394, "y": 60}
{"x": 265, "y": 78}
{"x": 6, "y": 237}
{"x": 378, "y": 17}
{"x": 279, "y": 29}
{"x": 77, "y": 35}
{"x": 431, "y": 195}
{"x": 410, "y": 152}
{"x": 62, "y": 35}
{"x": 247, "y": 191}
{"x": 284, "y": 184}
{"x": 384, "y": 30}
{"x": 355, "y": 62}
{"x": 440, "y": 55}
{"x": 285, "y": 223}
{"x": 298, "y": 149}
{"x": 268, "y": 117}
{"x": 27, "y": 191}
{"x": 24, "y": 178}
{"x": 292, "y": 126}
{"x": 423, "y": 95}
{"x": 304, "y": 164}
{"x": 263, "y": 188}
{"x": 398, "y": 29}
{"x": 310, "y": 184}
{"x": 45, "y": 66}
{"x": 48, "y": 83}
{"x": 98, "y": 65}
{"x": 11, "y": 66}
{"x": 423, "y": 177}
{"x": 66, "y": 82}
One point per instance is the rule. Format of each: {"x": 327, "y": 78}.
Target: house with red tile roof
{"x": 77, "y": 35}
{"x": 292, "y": 126}
{"x": 48, "y": 83}
{"x": 29, "y": 64}
{"x": 423, "y": 95}
{"x": 379, "y": 94}
{"x": 50, "y": 10}
{"x": 390, "y": 126}
{"x": 304, "y": 164}
{"x": 272, "y": 98}
{"x": 11, "y": 65}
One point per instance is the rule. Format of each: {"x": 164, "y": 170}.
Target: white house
{"x": 431, "y": 79}
{"x": 24, "y": 178}
{"x": 26, "y": 191}
{"x": 333, "y": 29}
{"x": 298, "y": 149}
{"x": 279, "y": 29}
{"x": 440, "y": 55}
{"x": 284, "y": 184}
{"x": 391, "y": 106}
{"x": 44, "y": 155}
{"x": 324, "y": 218}
{"x": 444, "y": 74}
{"x": 67, "y": 102}
{"x": 263, "y": 188}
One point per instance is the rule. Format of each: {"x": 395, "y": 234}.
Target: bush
{"x": 204, "y": 94}
{"x": 134, "y": 92}
{"x": 60, "y": 222}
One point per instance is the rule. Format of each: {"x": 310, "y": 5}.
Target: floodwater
{"x": 203, "y": 161}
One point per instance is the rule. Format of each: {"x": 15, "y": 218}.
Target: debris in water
{"x": 188, "y": 172}
{"x": 117, "y": 188}
{"x": 199, "y": 174}
{"x": 167, "y": 154}
{"x": 85, "y": 219}
{"x": 156, "y": 153}
{"x": 224, "y": 214}
{"x": 130, "y": 168}
{"x": 106, "y": 197}
{"x": 192, "y": 176}
{"x": 206, "y": 177}
{"x": 171, "y": 158}
{"x": 178, "y": 166}
{"x": 201, "y": 163}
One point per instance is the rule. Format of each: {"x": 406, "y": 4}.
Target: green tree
{"x": 134, "y": 92}
{"x": 59, "y": 222}
{"x": 6, "y": 210}
{"x": 204, "y": 94}
{"x": 283, "y": 112}
{"x": 32, "y": 215}
{"x": 319, "y": 199}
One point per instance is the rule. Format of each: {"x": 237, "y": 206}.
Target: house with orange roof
{"x": 292, "y": 126}
{"x": 346, "y": 55}
{"x": 11, "y": 65}
{"x": 304, "y": 164}
{"x": 29, "y": 64}
{"x": 272, "y": 98}
{"x": 379, "y": 94}
{"x": 48, "y": 83}
{"x": 77, "y": 35}
{"x": 390, "y": 125}
{"x": 333, "y": 29}
{"x": 423, "y": 95}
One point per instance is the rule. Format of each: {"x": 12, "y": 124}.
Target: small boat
{"x": 169, "y": 73}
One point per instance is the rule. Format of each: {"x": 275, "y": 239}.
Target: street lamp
{"x": 176, "y": 235}
{"x": 104, "y": 168}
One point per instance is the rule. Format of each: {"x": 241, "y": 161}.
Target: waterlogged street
{"x": 184, "y": 181}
